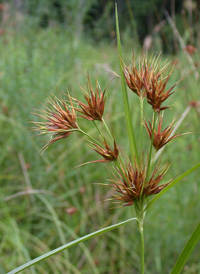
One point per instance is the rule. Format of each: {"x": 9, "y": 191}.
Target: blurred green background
{"x": 47, "y": 47}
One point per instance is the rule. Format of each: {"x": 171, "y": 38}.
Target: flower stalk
{"x": 141, "y": 120}
{"x": 140, "y": 213}
{"x": 141, "y": 229}
{"x": 151, "y": 146}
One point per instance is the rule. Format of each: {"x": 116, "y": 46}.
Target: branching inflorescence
{"x": 132, "y": 183}
{"x": 134, "y": 179}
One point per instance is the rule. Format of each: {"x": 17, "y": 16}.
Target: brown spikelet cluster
{"x": 148, "y": 81}
{"x": 134, "y": 78}
{"x": 156, "y": 94}
{"x": 95, "y": 99}
{"x": 60, "y": 120}
{"x": 146, "y": 70}
{"x": 160, "y": 138}
{"x": 131, "y": 184}
{"x": 106, "y": 152}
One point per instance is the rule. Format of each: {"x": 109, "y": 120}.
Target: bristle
{"x": 94, "y": 109}
{"x": 160, "y": 138}
{"x": 60, "y": 122}
{"x": 131, "y": 185}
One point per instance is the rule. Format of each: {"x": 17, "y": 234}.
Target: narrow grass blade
{"x": 68, "y": 245}
{"x": 171, "y": 185}
{"x": 129, "y": 124}
{"x": 194, "y": 239}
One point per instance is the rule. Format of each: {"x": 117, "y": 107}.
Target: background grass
{"x": 35, "y": 64}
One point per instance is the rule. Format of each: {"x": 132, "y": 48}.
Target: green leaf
{"x": 194, "y": 239}
{"x": 171, "y": 185}
{"x": 68, "y": 245}
{"x": 129, "y": 124}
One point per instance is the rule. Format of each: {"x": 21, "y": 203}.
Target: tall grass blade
{"x": 194, "y": 239}
{"x": 171, "y": 185}
{"x": 66, "y": 246}
{"x": 129, "y": 124}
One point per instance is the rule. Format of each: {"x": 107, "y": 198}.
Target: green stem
{"x": 141, "y": 121}
{"x": 140, "y": 213}
{"x": 151, "y": 146}
{"x": 117, "y": 163}
{"x": 98, "y": 130}
{"x": 129, "y": 124}
{"x": 108, "y": 130}
{"x": 90, "y": 137}
{"x": 141, "y": 229}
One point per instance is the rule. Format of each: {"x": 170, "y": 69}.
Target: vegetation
{"x": 45, "y": 202}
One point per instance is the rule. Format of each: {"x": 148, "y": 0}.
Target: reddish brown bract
{"x": 131, "y": 186}
{"x": 135, "y": 77}
{"x": 107, "y": 153}
{"x": 94, "y": 108}
{"x": 156, "y": 94}
{"x": 61, "y": 121}
{"x": 160, "y": 138}
{"x": 148, "y": 81}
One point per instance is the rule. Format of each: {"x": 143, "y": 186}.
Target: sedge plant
{"x": 136, "y": 177}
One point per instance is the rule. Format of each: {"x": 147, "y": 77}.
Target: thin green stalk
{"x": 90, "y": 137}
{"x": 98, "y": 129}
{"x": 141, "y": 121}
{"x": 117, "y": 163}
{"x": 120, "y": 160}
{"x": 139, "y": 208}
{"x": 142, "y": 246}
{"x": 108, "y": 130}
{"x": 129, "y": 124}
{"x": 151, "y": 146}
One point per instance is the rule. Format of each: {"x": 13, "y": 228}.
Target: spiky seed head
{"x": 145, "y": 72}
{"x": 106, "y": 152}
{"x": 131, "y": 185}
{"x": 148, "y": 80}
{"x": 156, "y": 94}
{"x": 59, "y": 119}
{"x": 160, "y": 138}
{"x": 133, "y": 79}
{"x": 95, "y": 102}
